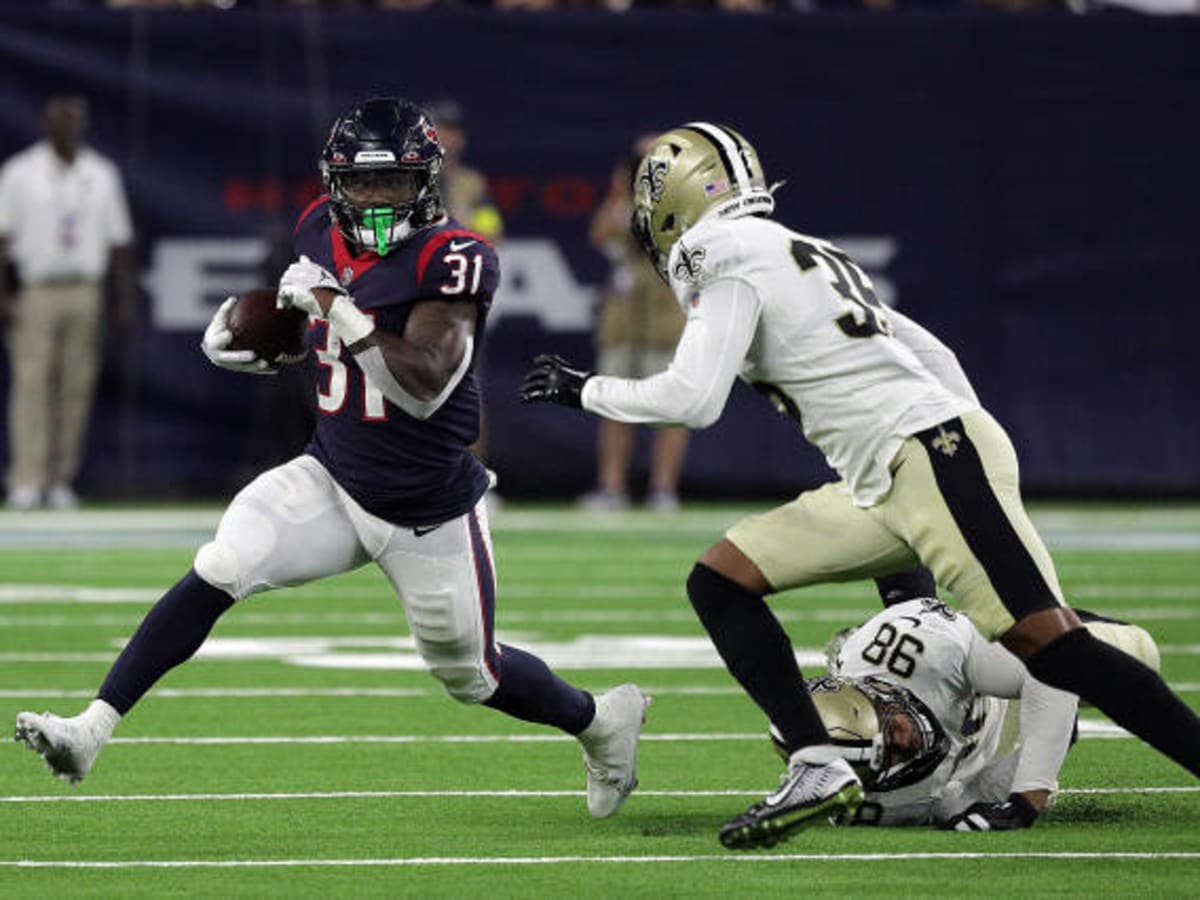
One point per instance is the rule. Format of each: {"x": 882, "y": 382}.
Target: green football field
{"x": 305, "y": 752}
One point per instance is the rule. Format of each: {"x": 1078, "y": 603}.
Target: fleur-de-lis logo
{"x": 653, "y": 180}
{"x": 688, "y": 268}
{"x": 946, "y": 442}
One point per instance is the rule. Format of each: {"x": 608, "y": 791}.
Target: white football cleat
{"x": 60, "y": 496}
{"x": 23, "y": 499}
{"x": 610, "y": 748}
{"x": 69, "y": 746}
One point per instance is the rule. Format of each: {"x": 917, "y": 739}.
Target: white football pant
{"x": 294, "y": 524}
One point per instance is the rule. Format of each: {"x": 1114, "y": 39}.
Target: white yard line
{"x": 497, "y": 861}
{"x": 242, "y": 693}
{"x": 1180, "y": 687}
{"x": 422, "y": 794}
{"x": 588, "y": 652}
{"x": 12, "y": 594}
{"x": 787, "y": 610}
{"x": 1088, "y": 728}
{"x": 1147, "y": 528}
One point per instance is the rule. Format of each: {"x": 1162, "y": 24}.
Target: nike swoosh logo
{"x": 421, "y": 532}
{"x": 455, "y": 246}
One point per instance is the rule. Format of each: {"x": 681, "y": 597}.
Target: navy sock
{"x": 531, "y": 692}
{"x": 907, "y": 585}
{"x": 172, "y": 631}
{"x": 758, "y": 653}
{"x": 1128, "y": 692}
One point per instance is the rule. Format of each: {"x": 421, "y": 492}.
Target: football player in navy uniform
{"x": 926, "y": 474}
{"x": 398, "y": 294}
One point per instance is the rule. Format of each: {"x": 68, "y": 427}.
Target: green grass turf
{"x": 606, "y": 577}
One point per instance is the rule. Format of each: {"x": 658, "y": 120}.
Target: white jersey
{"x": 970, "y": 686}
{"x": 795, "y": 317}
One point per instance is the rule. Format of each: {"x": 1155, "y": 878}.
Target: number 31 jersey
{"x": 406, "y": 470}
{"x": 824, "y": 349}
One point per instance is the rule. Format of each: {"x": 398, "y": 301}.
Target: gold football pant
{"x": 955, "y": 505}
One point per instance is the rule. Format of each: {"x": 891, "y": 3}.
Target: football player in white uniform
{"x": 945, "y": 727}
{"x": 926, "y": 474}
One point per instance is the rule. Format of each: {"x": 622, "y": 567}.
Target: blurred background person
{"x": 64, "y": 222}
{"x": 466, "y": 189}
{"x": 638, "y": 327}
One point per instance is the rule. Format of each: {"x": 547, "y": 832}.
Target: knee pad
{"x": 466, "y": 684}
{"x": 217, "y": 564}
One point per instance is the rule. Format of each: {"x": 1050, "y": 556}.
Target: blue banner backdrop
{"x": 1026, "y": 187}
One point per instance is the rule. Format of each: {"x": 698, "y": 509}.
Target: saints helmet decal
{"x": 690, "y": 172}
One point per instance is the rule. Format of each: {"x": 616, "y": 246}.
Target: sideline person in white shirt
{"x": 64, "y": 224}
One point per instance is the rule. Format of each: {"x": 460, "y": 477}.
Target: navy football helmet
{"x": 382, "y": 167}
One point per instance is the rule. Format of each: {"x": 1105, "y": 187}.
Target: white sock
{"x": 815, "y": 755}
{"x": 101, "y": 717}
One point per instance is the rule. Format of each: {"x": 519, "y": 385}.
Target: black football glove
{"x": 1009, "y": 815}
{"x": 552, "y": 380}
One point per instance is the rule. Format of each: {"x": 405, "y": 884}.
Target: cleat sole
{"x": 769, "y": 832}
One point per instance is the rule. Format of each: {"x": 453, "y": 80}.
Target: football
{"x": 276, "y": 335}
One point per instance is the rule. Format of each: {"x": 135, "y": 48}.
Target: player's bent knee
{"x": 466, "y": 684}
{"x": 217, "y": 564}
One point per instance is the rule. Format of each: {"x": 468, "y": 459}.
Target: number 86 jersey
{"x": 409, "y": 471}
{"x": 924, "y": 645}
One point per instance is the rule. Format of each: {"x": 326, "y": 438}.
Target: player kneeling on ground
{"x": 389, "y": 476}
{"x": 945, "y": 728}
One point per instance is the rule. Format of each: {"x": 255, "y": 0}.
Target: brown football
{"x": 276, "y": 335}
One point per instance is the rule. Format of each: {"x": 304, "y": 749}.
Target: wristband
{"x": 350, "y": 322}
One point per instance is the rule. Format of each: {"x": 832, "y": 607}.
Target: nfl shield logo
{"x": 347, "y": 276}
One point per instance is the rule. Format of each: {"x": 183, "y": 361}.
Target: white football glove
{"x": 297, "y": 284}
{"x": 216, "y": 341}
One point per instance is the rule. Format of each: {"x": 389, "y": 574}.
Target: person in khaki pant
{"x": 638, "y": 327}
{"x": 64, "y": 223}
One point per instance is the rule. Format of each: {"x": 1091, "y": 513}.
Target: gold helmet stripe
{"x": 728, "y": 149}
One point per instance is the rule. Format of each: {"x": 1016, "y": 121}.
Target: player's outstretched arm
{"x": 692, "y": 391}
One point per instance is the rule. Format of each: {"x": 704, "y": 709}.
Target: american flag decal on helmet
{"x": 720, "y": 186}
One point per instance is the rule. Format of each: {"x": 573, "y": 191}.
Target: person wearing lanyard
{"x": 64, "y": 224}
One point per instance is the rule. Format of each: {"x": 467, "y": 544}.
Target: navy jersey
{"x": 406, "y": 470}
